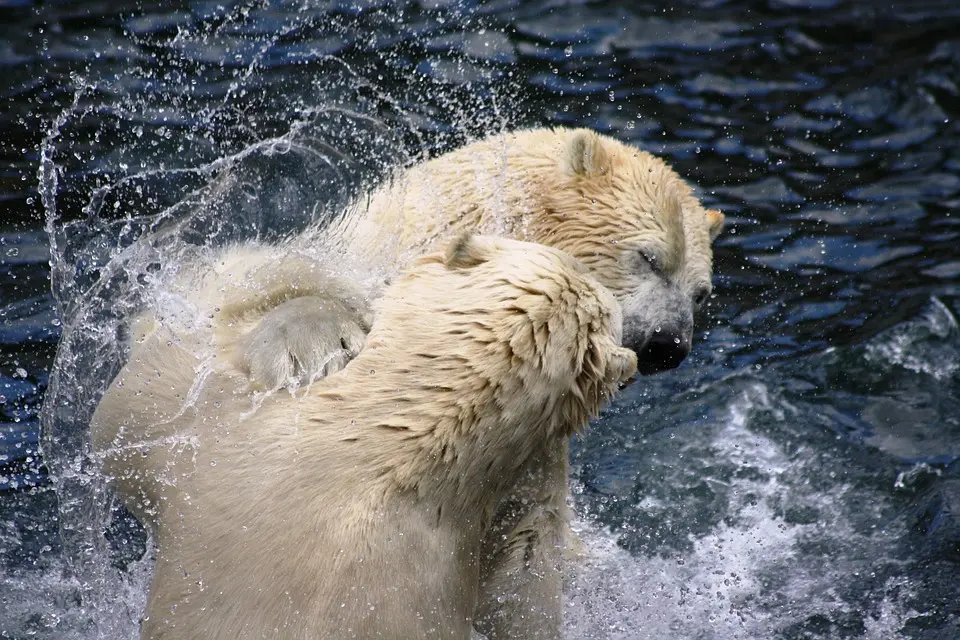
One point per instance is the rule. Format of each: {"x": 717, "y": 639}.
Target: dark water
{"x": 797, "y": 477}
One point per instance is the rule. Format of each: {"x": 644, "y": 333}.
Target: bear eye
{"x": 651, "y": 260}
{"x": 700, "y": 297}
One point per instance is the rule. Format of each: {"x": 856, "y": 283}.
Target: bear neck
{"x": 497, "y": 186}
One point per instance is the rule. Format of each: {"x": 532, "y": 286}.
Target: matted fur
{"x": 624, "y": 213}
{"x": 359, "y": 507}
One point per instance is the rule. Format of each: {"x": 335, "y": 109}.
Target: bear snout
{"x": 662, "y": 351}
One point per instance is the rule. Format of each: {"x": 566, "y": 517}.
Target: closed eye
{"x": 652, "y": 261}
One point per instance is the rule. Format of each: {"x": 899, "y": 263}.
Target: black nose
{"x": 664, "y": 350}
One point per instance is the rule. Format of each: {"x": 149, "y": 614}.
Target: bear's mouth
{"x": 653, "y": 368}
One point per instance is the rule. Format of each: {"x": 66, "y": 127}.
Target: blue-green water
{"x": 797, "y": 477}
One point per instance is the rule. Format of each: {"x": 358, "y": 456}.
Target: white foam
{"x": 747, "y": 578}
{"x": 902, "y": 346}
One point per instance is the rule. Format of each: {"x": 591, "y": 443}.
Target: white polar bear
{"x": 359, "y": 508}
{"x": 622, "y": 212}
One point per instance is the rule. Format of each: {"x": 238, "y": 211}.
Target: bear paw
{"x": 304, "y": 339}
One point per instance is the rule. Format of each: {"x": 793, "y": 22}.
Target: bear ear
{"x": 714, "y": 223}
{"x": 468, "y": 251}
{"x": 586, "y": 154}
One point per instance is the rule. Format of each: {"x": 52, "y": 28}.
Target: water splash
{"x": 919, "y": 345}
{"x": 166, "y": 170}
{"x": 752, "y": 573}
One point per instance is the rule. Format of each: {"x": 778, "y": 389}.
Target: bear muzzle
{"x": 663, "y": 350}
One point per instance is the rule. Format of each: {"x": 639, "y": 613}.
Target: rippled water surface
{"x": 796, "y": 478}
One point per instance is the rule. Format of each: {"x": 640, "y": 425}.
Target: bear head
{"x": 638, "y": 227}
{"x": 502, "y": 323}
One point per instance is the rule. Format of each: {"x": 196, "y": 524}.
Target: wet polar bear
{"x": 622, "y": 212}
{"x": 359, "y": 507}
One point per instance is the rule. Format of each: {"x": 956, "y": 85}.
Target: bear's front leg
{"x": 521, "y": 590}
{"x": 283, "y": 321}
{"x": 302, "y": 340}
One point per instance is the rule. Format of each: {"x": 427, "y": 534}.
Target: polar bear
{"x": 359, "y": 506}
{"x": 623, "y": 212}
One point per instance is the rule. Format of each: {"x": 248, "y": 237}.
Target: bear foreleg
{"x": 302, "y": 340}
{"x": 521, "y": 592}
